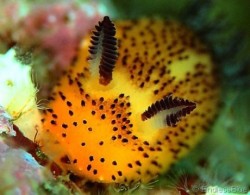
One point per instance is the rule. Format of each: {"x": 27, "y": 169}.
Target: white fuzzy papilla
{"x": 18, "y": 94}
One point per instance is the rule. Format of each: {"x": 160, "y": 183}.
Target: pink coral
{"x": 20, "y": 173}
{"x": 57, "y": 29}
{"x": 9, "y": 17}
{"x": 5, "y": 124}
{"x": 9, "y": 14}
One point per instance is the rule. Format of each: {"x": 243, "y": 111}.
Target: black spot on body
{"x": 82, "y": 103}
{"x": 89, "y": 167}
{"x": 138, "y": 163}
{"x": 91, "y": 158}
{"x": 71, "y": 113}
{"x": 94, "y": 171}
{"x": 119, "y": 173}
{"x": 54, "y": 116}
{"x": 53, "y": 122}
{"x": 65, "y": 159}
{"x": 69, "y": 103}
{"x": 65, "y": 126}
{"x": 113, "y": 178}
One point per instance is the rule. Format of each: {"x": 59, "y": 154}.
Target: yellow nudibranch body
{"x": 115, "y": 131}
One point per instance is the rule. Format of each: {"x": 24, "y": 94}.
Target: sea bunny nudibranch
{"x": 140, "y": 95}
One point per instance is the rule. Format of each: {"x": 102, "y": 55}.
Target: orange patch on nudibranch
{"x": 159, "y": 98}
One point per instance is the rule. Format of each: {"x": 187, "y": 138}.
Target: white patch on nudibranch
{"x": 18, "y": 93}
